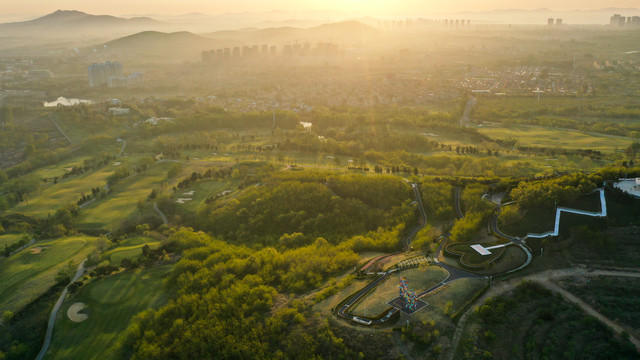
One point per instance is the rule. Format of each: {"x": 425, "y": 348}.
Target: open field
{"x": 615, "y": 297}
{"x": 453, "y": 296}
{"x": 533, "y": 323}
{"x": 27, "y": 274}
{"x": 130, "y": 248}
{"x": 622, "y": 251}
{"x": 417, "y": 279}
{"x": 111, "y": 303}
{"x": 8, "y": 239}
{"x": 121, "y": 202}
{"x": 538, "y": 136}
{"x": 53, "y": 197}
{"x": 59, "y": 169}
{"x": 202, "y": 190}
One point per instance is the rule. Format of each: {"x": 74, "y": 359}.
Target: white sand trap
{"x": 189, "y": 193}
{"x": 37, "y": 250}
{"x": 183, "y": 200}
{"x": 73, "y": 312}
{"x": 117, "y": 163}
{"x": 225, "y": 193}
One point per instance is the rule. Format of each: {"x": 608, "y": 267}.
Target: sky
{"x": 363, "y": 7}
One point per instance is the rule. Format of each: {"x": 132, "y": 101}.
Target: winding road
{"x": 453, "y": 272}
{"x": 54, "y": 312}
{"x": 162, "y": 215}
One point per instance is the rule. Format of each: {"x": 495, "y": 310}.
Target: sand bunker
{"x": 224, "y": 193}
{"x": 37, "y": 250}
{"x": 183, "y": 200}
{"x": 189, "y": 193}
{"x": 117, "y": 163}
{"x": 73, "y": 312}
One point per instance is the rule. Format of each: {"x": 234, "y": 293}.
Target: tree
{"x": 7, "y": 315}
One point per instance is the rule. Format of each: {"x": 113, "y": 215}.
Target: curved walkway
{"x": 454, "y": 273}
{"x": 162, "y": 215}
{"x": 543, "y": 279}
{"x": 54, "y": 312}
{"x": 457, "y": 202}
{"x": 560, "y": 210}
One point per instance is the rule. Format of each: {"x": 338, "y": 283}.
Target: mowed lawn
{"x": 8, "y": 239}
{"x": 53, "y": 197}
{"x": 539, "y": 136}
{"x": 130, "y": 249}
{"x": 203, "y": 190}
{"x": 28, "y": 274}
{"x": 111, "y": 303}
{"x": 121, "y": 203}
{"x": 417, "y": 279}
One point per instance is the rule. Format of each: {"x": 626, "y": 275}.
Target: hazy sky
{"x": 417, "y": 7}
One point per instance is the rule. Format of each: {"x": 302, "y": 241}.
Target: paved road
{"x": 54, "y": 312}
{"x": 162, "y": 215}
{"x": 454, "y": 273}
{"x": 458, "y": 208}
{"x": 60, "y": 129}
{"x": 124, "y": 144}
{"x": 465, "y": 119}
{"x": 543, "y": 278}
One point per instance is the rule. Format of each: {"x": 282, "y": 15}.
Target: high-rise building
{"x": 558, "y": 22}
{"x": 617, "y": 20}
{"x": 99, "y": 74}
{"x": 550, "y": 21}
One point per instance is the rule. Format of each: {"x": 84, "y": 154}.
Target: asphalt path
{"x": 54, "y": 312}
{"x": 162, "y": 215}
{"x": 458, "y": 208}
{"x": 454, "y": 273}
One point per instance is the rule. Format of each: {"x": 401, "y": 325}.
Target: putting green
{"x": 112, "y": 302}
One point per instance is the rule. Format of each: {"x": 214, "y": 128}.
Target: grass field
{"x": 27, "y": 275}
{"x": 111, "y": 303}
{"x": 51, "y": 171}
{"x": 53, "y": 197}
{"x": 121, "y": 203}
{"x": 130, "y": 248}
{"x": 536, "y": 220}
{"x": 8, "y": 239}
{"x": 538, "y": 136}
{"x": 616, "y": 297}
{"x": 203, "y": 190}
{"x": 453, "y": 296}
{"x": 531, "y": 322}
{"x": 417, "y": 279}
{"x": 623, "y": 251}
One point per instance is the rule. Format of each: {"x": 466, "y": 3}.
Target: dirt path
{"x": 543, "y": 278}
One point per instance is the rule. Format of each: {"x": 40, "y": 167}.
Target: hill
{"x": 74, "y": 24}
{"x": 348, "y": 33}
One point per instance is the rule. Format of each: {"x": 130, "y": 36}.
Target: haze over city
{"x": 363, "y": 7}
{"x": 322, "y": 179}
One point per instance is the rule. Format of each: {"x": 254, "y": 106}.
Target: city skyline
{"x": 363, "y": 7}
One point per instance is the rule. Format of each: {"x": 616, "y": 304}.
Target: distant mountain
{"x": 73, "y": 24}
{"x": 540, "y": 16}
{"x": 160, "y": 46}
{"x": 153, "y": 39}
{"x": 345, "y": 33}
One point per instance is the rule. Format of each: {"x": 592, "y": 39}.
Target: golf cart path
{"x": 54, "y": 312}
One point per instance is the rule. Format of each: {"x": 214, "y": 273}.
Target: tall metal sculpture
{"x": 408, "y": 295}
